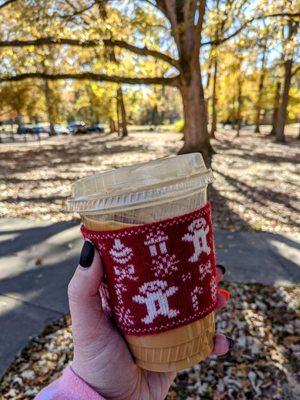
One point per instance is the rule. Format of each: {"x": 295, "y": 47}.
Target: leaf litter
{"x": 263, "y": 364}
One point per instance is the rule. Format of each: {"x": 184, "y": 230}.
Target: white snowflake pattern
{"x": 164, "y": 265}
{"x": 124, "y": 315}
{"x": 197, "y": 291}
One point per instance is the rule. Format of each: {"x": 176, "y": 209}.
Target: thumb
{"x": 84, "y": 297}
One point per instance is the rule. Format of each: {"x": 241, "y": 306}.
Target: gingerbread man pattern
{"x": 161, "y": 275}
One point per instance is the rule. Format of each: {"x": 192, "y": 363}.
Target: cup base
{"x": 176, "y": 349}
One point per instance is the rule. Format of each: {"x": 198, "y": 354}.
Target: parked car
{"x": 62, "y": 129}
{"x": 25, "y": 128}
{"x": 95, "y": 128}
{"x": 37, "y": 129}
{"x": 77, "y": 127}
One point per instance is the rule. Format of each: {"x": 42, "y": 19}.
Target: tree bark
{"x": 288, "y": 65}
{"x": 282, "y": 112}
{"x": 112, "y": 125}
{"x": 260, "y": 90}
{"x": 194, "y": 110}
{"x": 187, "y": 36}
{"x": 240, "y": 106}
{"x": 155, "y": 116}
{"x": 209, "y": 73}
{"x": 214, "y": 100}
{"x": 275, "y": 108}
{"x": 50, "y": 107}
{"x": 122, "y": 117}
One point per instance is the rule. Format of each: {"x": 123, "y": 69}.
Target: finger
{"x": 222, "y": 344}
{"x": 83, "y": 292}
{"x": 222, "y": 298}
{"x": 220, "y": 272}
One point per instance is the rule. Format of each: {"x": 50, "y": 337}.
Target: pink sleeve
{"x": 68, "y": 387}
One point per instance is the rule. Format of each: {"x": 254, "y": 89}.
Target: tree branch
{"x": 92, "y": 76}
{"x": 77, "y": 12}
{"x": 296, "y": 71}
{"x": 49, "y": 41}
{"x": 245, "y": 24}
{"x": 143, "y": 51}
{"x": 199, "y": 25}
{"x": 6, "y": 3}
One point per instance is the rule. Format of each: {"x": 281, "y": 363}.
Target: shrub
{"x": 179, "y": 125}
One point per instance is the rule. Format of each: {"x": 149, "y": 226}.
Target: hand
{"x": 101, "y": 356}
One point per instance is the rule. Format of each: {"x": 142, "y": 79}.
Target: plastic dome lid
{"x": 136, "y": 185}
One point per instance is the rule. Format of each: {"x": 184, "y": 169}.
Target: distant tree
{"x": 276, "y": 102}
{"x": 262, "y": 75}
{"x": 171, "y": 32}
{"x": 289, "y": 48}
{"x": 121, "y": 112}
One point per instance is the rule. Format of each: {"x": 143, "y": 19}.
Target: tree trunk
{"x": 196, "y": 137}
{"x": 275, "y": 108}
{"x": 209, "y": 73}
{"x": 282, "y": 112}
{"x": 288, "y": 65}
{"x": 122, "y": 113}
{"x": 155, "y": 115}
{"x": 240, "y": 105}
{"x": 49, "y": 106}
{"x": 260, "y": 90}
{"x": 214, "y": 100}
{"x": 112, "y": 125}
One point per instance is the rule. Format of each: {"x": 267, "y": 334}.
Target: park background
{"x": 161, "y": 77}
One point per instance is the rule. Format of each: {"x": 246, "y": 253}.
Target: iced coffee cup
{"x": 152, "y": 225}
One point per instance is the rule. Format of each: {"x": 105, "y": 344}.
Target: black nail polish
{"x": 222, "y": 268}
{"x": 87, "y": 254}
{"x": 230, "y": 342}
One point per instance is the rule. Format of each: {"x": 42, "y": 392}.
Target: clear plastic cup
{"x": 140, "y": 194}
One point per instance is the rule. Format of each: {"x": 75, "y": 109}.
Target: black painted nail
{"x": 222, "y": 268}
{"x": 230, "y": 342}
{"x": 87, "y": 254}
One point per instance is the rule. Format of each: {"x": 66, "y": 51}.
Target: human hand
{"x": 101, "y": 356}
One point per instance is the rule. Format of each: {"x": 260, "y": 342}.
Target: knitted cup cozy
{"x": 161, "y": 275}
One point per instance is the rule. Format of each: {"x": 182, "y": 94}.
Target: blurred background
{"x": 90, "y": 85}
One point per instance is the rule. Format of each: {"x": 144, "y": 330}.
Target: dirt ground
{"x": 255, "y": 186}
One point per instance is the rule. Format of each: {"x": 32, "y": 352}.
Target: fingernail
{"x": 87, "y": 254}
{"x": 225, "y": 293}
{"x": 230, "y": 342}
{"x": 222, "y": 268}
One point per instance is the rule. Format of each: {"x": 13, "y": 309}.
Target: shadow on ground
{"x": 38, "y": 260}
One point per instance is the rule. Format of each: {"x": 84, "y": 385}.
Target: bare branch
{"x": 143, "y": 51}
{"x": 245, "y": 24}
{"x": 235, "y": 33}
{"x": 6, "y": 3}
{"x": 92, "y": 76}
{"x": 199, "y": 25}
{"x": 49, "y": 41}
{"x": 296, "y": 70}
{"x": 77, "y": 12}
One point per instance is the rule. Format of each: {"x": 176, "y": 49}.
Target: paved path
{"x": 32, "y": 296}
